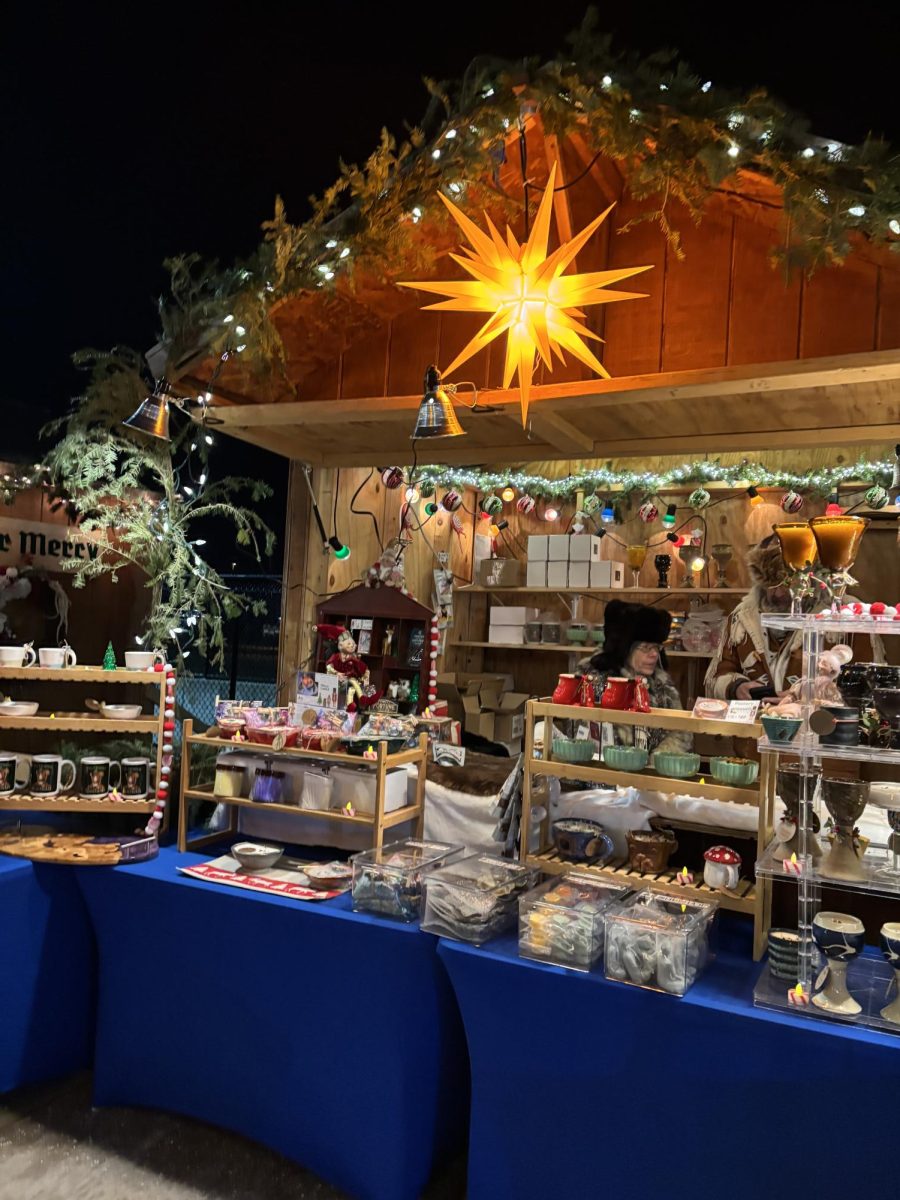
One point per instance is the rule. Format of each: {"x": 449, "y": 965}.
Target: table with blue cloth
{"x": 47, "y": 974}
{"x": 329, "y": 1035}
{"x": 583, "y": 1087}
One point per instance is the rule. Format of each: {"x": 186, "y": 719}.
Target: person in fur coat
{"x": 748, "y": 655}
{"x": 633, "y": 645}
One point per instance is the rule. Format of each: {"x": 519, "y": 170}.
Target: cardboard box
{"x": 452, "y": 686}
{"x": 500, "y": 572}
{"x": 536, "y": 573}
{"x": 507, "y": 635}
{"x": 512, "y": 614}
{"x": 537, "y": 547}
{"x": 557, "y": 574}
{"x": 496, "y": 714}
{"x": 579, "y": 574}
{"x": 558, "y": 547}
{"x": 584, "y": 547}
{"x": 607, "y": 574}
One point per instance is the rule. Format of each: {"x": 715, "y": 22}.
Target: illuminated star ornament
{"x": 527, "y": 294}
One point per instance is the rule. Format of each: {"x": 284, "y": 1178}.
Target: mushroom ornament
{"x": 722, "y": 868}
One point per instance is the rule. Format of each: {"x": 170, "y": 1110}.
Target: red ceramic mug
{"x": 618, "y": 693}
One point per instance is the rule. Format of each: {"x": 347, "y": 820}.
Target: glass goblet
{"x": 687, "y": 554}
{"x": 798, "y": 549}
{"x": 837, "y": 541}
{"x": 636, "y": 554}
{"x": 723, "y": 554}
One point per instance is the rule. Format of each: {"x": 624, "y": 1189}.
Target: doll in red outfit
{"x": 346, "y": 662}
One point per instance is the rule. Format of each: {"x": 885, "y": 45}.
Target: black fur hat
{"x": 624, "y": 624}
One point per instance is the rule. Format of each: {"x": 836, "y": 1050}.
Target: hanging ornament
{"x": 456, "y": 522}
{"x": 526, "y": 294}
{"x": 648, "y": 512}
{"x": 391, "y": 477}
{"x": 451, "y": 501}
{"x": 109, "y": 657}
{"x": 525, "y": 505}
{"x": 877, "y": 496}
{"x": 592, "y": 503}
{"x": 699, "y": 498}
{"x": 791, "y": 502}
{"x": 491, "y": 505}
{"x": 426, "y": 490}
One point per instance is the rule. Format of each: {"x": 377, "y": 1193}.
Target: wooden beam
{"x": 551, "y": 427}
{"x": 763, "y": 439}
{"x": 602, "y": 170}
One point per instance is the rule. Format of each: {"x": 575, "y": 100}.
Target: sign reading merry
{"x": 42, "y": 543}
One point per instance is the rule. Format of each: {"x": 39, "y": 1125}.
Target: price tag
{"x": 742, "y": 710}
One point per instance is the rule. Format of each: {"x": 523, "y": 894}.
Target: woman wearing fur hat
{"x": 633, "y": 646}
{"x": 750, "y": 657}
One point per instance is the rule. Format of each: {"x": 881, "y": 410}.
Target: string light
{"x": 508, "y": 494}
{"x": 754, "y": 496}
{"x": 607, "y": 513}
{"x": 698, "y": 563}
{"x": 551, "y": 513}
{"x": 894, "y": 225}
{"x": 669, "y": 519}
{"x": 412, "y": 495}
{"x": 833, "y": 507}
{"x": 858, "y": 210}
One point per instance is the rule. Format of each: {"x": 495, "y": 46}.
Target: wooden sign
{"x": 42, "y": 543}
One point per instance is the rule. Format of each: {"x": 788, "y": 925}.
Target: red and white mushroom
{"x": 724, "y": 855}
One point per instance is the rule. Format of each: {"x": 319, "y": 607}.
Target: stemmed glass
{"x": 887, "y": 797}
{"x": 636, "y": 554}
{"x": 687, "y": 554}
{"x": 723, "y": 554}
{"x": 837, "y": 540}
{"x": 798, "y": 549}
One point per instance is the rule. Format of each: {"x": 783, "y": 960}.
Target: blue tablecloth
{"x": 47, "y": 974}
{"x": 585, "y": 1088}
{"x": 328, "y": 1035}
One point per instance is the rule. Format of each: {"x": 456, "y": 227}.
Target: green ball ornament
{"x": 592, "y": 504}
{"x": 492, "y": 505}
{"x": 877, "y": 496}
{"x": 699, "y": 498}
{"x": 426, "y": 490}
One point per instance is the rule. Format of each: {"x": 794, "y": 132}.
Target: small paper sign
{"x": 742, "y": 710}
{"x": 446, "y": 755}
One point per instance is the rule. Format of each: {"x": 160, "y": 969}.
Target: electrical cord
{"x": 365, "y": 512}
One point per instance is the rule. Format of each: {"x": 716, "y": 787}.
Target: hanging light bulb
{"x": 753, "y": 494}
{"x": 669, "y": 519}
{"x": 340, "y": 550}
{"x": 607, "y": 512}
{"x": 508, "y": 494}
{"x": 698, "y": 563}
{"x": 833, "y": 507}
{"x": 431, "y": 508}
{"x": 551, "y": 513}
{"x": 412, "y": 494}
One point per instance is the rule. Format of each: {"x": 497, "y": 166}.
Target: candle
{"x": 369, "y": 752}
{"x": 792, "y": 866}
{"x": 684, "y": 877}
{"x": 797, "y": 996}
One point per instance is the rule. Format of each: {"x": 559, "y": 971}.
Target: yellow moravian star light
{"x": 527, "y": 294}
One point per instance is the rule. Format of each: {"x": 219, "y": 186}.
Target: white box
{"x": 557, "y": 574}
{"x": 537, "y": 547}
{"x": 358, "y": 789}
{"x": 514, "y": 749}
{"x": 579, "y": 574}
{"x": 536, "y": 573}
{"x": 558, "y": 547}
{"x": 512, "y": 614}
{"x": 584, "y": 547}
{"x": 507, "y": 635}
{"x": 607, "y": 574}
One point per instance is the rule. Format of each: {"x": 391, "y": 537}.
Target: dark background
{"x": 143, "y": 131}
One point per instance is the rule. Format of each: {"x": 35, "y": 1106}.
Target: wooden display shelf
{"x": 471, "y": 588}
{"x": 76, "y": 723}
{"x": 742, "y": 899}
{"x": 378, "y": 821}
{"x": 561, "y": 648}
{"x": 81, "y": 675}
{"x": 656, "y": 718}
{"x": 648, "y": 779}
{"x": 67, "y": 803}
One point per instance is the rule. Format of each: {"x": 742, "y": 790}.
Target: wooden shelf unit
{"x": 750, "y": 896}
{"x": 471, "y": 588}
{"x": 76, "y": 722}
{"x": 378, "y": 821}
{"x": 582, "y": 650}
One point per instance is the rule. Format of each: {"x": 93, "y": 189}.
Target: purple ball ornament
{"x": 791, "y": 502}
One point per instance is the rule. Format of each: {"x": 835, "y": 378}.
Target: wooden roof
{"x": 725, "y": 353}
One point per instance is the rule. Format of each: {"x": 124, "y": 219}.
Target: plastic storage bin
{"x": 563, "y": 921}
{"x": 389, "y": 881}
{"x": 475, "y": 898}
{"x": 658, "y": 941}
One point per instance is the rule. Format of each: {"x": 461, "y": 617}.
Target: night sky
{"x": 127, "y": 142}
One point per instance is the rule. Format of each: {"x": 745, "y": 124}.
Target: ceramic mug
{"x": 582, "y": 840}
{"x": 143, "y": 660}
{"x": 17, "y": 656}
{"x": 618, "y": 693}
{"x": 47, "y": 772}
{"x": 57, "y": 656}
{"x": 96, "y": 776}
{"x": 137, "y": 778}
{"x": 9, "y": 769}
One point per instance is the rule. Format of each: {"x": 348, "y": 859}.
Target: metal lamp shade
{"x": 152, "y": 416}
{"x": 436, "y": 417}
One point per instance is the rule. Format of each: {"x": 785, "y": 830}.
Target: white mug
{"x": 56, "y": 656}
{"x": 46, "y": 774}
{"x": 11, "y": 778}
{"x": 143, "y": 660}
{"x": 17, "y": 656}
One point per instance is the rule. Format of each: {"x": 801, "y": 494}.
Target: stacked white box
{"x": 558, "y": 547}
{"x": 584, "y": 547}
{"x": 607, "y": 574}
{"x": 558, "y": 574}
{"x": 537, "y": 547}
{"x": 579, "y": 574}
{"x": 536, "y": 573}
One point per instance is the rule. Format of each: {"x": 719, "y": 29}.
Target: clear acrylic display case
{"x": 475, "y": 898}
{"x": 390, "y": 880}
{"x": 658, "y": 941}
{"x": 562, "y": 921}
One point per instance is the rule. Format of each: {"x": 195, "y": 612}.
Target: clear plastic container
{"x": 551, "y": 628}
{"x": 389, "y": 881}
{"x": 474, "y": 899}
{"x": 658, "y": 941}
{"x": 563, "y": 922}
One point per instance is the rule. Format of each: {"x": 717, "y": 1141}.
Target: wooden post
{"x": 296, "y": 601}
{"x": 380, "y": 784}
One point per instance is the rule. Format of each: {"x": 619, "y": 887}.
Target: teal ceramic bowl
{"x": 625, "y": 758}
{"x": 780, "y": 730}
{"x": 574, "y": 750}
{"x": 735, "y": 774}
{"x": 675, "y": 765}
